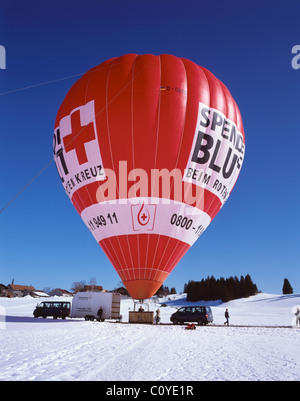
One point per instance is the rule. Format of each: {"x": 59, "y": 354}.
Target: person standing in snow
{"x": 297, "y": 314}
{"x": 157, "y": 316}
{"x": 99, "y": 313}
{"x": 227, "y": 317}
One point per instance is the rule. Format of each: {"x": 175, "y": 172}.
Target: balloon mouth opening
{"x": 142, "y": 289}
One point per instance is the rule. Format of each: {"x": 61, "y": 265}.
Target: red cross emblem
{"x": 143, "y": 216}
{"x": 79, "y": 136}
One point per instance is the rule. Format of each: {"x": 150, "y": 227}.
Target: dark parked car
{"x": 53, "y": 309}
{"x": 200, "y": 314}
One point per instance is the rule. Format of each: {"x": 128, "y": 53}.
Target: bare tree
{"x": 78, "y": 286}
{"x": 93, "y": 281}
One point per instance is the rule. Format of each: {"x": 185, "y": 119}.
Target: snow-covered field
{"x": 38, "y": 349}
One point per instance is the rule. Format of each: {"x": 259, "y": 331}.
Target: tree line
{"x": 211, "y": 289}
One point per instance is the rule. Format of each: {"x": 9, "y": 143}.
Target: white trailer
{"x": 87, "y": 305}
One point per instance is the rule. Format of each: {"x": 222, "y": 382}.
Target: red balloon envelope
{"x": 148, "y": 149}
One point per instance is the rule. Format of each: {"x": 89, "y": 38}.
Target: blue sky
{"x": 246, "y": 44}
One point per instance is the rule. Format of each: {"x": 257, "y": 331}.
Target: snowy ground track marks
{"x": 105, "y": 351}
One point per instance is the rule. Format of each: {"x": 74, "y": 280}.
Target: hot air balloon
{"x": 148, "y": 149}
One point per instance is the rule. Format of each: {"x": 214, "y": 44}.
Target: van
{"x": 52, "y": 309}
{"x": 199, "y": 314}
{"x": 87, "y": 305}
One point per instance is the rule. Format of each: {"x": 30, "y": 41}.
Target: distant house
{"x": 3, "y": 290}
{"x": 15, "y": 290}
{"x": 38, "y": 294}
{"x": 60, "y": 293}
{"x": 92, "y": 288}
{"x": 122, "y": 291}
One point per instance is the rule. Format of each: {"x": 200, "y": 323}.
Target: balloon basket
{"x": 140, "y": 315}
